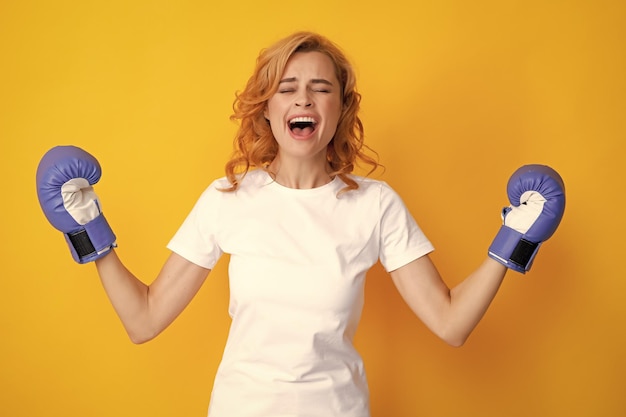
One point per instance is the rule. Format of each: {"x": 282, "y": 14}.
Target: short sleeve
{"x": 401, "y": 239}
{"x": 196, "y": 239}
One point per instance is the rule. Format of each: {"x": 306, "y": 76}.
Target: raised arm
{"x": 146, "y": 310}
{"x": 65, "y": 179}
{"x": 450, "y": 314}
{"x": 537, "y": 196}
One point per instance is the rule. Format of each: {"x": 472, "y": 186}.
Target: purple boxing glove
{"x": 65, "y": 176}
{"x": 537, "y": 196}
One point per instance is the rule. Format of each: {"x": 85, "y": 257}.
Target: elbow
{"x": 140, "y": 337}
{"x": 455, "y": 342}
{"x": 139, "y": 340}
{"x": 455, "y": 333}
{"x": 142, "y": 329}
{"x": 454, "y": 339}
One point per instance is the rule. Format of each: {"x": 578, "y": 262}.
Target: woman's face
{"x": 305, "y": 110}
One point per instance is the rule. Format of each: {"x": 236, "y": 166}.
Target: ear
{"x": 266, "y": 113}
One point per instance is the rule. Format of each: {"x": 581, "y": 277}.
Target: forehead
{"x": 310, "y": 65}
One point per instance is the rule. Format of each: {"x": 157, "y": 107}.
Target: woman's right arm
{"x": 146, "y": 310}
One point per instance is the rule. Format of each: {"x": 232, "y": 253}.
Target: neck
{"x": 300, "y": 174}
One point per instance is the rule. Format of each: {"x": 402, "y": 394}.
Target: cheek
{"x": 267, "y": 111}
{"x": 337, "y": 113}
{"x": 271, "y": 106}
{"x": 275, "y": 127}
{"x": 271, "y": 118}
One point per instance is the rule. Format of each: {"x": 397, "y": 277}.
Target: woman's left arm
{"x": 452, "y": 314}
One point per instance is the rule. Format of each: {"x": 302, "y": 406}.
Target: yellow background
{"x": 457, "y": 95}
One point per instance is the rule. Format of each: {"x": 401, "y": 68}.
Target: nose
{"x": 303, "y": 99}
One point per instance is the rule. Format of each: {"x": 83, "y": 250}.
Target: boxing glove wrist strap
{"x": 95, "y": 239}
{"x": 511, "y": 249}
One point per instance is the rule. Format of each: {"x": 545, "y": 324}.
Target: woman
{"x": 302, "y": 231}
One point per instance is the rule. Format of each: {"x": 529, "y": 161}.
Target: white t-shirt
{"x": 298, "y": 260}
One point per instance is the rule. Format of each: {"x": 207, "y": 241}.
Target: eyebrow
{"x": 313, "y": 81}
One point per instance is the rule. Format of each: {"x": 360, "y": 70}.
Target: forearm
{"x": 470, "y": 299}
{"x": 128, "y": 295}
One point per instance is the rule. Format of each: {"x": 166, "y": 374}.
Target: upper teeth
{"x": 303, "y": 119}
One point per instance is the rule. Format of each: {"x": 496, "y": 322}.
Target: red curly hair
{"x": 254, "y": 143}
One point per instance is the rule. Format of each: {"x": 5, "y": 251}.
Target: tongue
{"x": 302, "y": 131}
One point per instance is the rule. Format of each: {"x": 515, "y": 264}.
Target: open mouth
{"x": 302, "y": 126}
